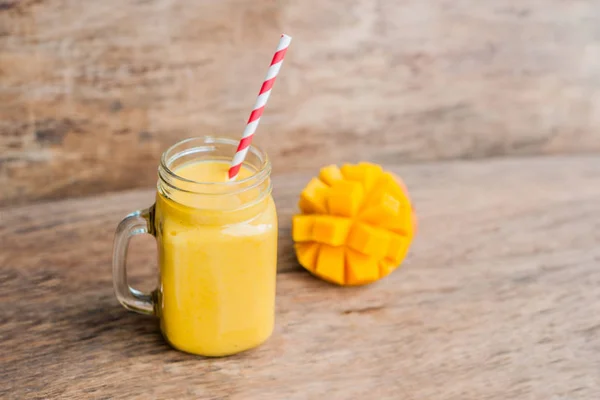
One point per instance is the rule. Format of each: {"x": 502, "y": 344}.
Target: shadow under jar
{"x": 217, "y": 245}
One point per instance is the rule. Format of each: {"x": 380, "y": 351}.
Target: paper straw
{"x": 259, "y": 106}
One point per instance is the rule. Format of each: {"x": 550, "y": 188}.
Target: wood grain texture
{"x": 499, "y": 299}
{"x": 91, "y": 92}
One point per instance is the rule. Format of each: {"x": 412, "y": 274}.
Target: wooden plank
{"x": 499, "y": 299}
{"x": 93, "y": 91}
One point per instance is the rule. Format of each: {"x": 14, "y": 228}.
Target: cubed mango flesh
{"x": 330, "y": 264}
{"x": 368, "y": 240}
{"x": 365, "y": 173}
{"x": 352, "y": 172}
{"x": 331, "y": 230}
{"x": 302, "y": 227}
{"x": 307, "y": 254}
{"x": 360, "y": 268}
{"x": 387, "y": 181}
{"x": 345, "y": 198}
{"x": 371, "y": 174}
{"x": 330, "y": 174}
{"x": 379, "y": 212}
{"x": 356, "y": 224}
{"x": 397, "y": 248}
{"x": 313, "y": 198}
{"x": 403, "y": 223}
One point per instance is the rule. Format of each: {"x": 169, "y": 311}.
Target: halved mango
{"x": 356, "y": 224}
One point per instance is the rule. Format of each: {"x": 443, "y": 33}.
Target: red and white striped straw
{"x": 259, "y": 106}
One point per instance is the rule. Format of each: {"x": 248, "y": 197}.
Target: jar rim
{"x": 172, "y": 154}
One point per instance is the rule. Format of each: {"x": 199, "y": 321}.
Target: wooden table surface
{"x": 498, "y": 299}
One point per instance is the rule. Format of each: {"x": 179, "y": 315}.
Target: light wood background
{"x": 499, "y": 300}
{"x": 91, "y": 91}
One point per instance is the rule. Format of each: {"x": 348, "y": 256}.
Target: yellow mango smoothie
{"x": 217, "y": 258}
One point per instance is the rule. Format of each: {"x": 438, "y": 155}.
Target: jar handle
{"x": 136, "y": 223}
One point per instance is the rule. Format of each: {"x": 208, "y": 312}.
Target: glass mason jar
{"x": 217, "y": 249}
